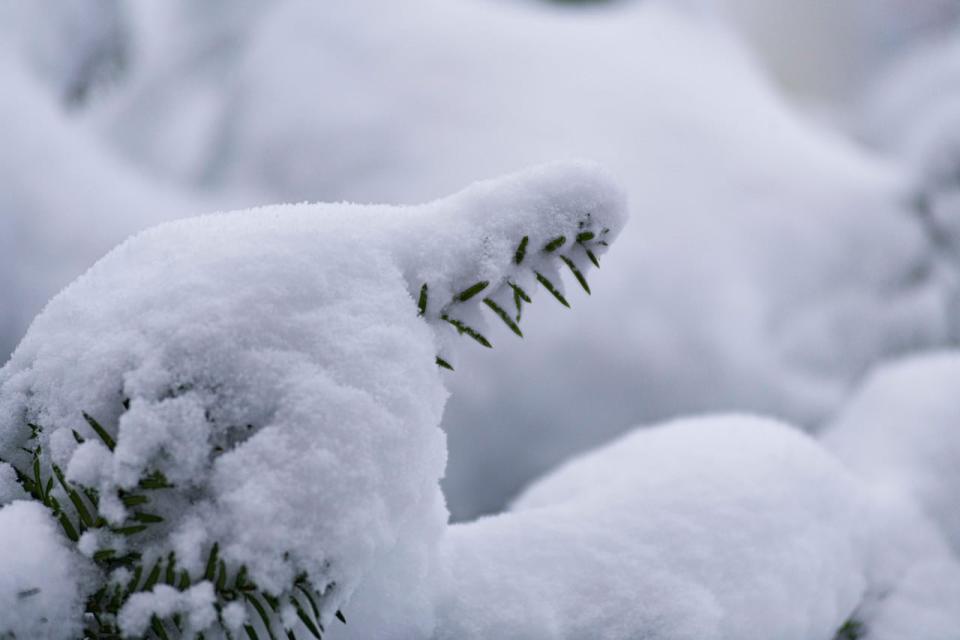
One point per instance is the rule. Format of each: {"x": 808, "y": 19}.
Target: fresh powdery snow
{"x": 41, "y": 579}
{"x": 901, "y": 432}
{"x": 264, "y": 383}
{"x": 733, "y": 528}
{"x": 64, "y": 201}
{"x": 771, "y": 262}
{"x": 251, "y": 401}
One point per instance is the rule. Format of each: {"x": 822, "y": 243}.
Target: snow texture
{"x": 911, "y": 114}
{"x": 41, "y": 579}
{"x": 901, "y": 432}
{"x": 770, "y": 265}
{"x": 63, "y": 202}
{"x": 700, "y": 529}
{"x": 272, "y": 366}
{"x": 729, "y": 528}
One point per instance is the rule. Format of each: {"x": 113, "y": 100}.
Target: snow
{"x": 773, "y": 285}
{"x": 277, "y": 373}
{"x": 197, "y": 602}
{"x": 63, "y": 202}
{"x": 10, "y": 489}
{"x": 800, "y": 249}
{"x": 911, "y": 114}
{"x": 901, "y": 432}
{"x": 41, "y": 579}
{"x": 712, "y": 527}
{"x": 272, "y": 366}
{"x": 770, "y": 265}
{"x": 703, "y": 528}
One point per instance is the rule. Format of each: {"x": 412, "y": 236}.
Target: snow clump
{"x": 256, "y": 391}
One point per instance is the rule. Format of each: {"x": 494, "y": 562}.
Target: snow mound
{"x": 258, "y": 386}
{"x": 901, "y": 432}
{"x": 40, "y": 577}
{"x": 706, "y": 528}
{"x": 720, "y": 527}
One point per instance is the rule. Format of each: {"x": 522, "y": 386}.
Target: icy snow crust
{"x": 272, "y": 365}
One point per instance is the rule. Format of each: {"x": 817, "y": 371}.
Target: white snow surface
{"x": 710, "y": 528}
{"x": 41, "y": 579}
{"x": 912, "y": 114}
{"x": 64, "y": 202}
{"x": 272, "y": 365}
{"x": 770, "y": 265}
{"x": 901, "y": 433}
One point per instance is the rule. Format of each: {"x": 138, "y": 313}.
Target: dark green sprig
{"x": 576, "y": 273}
{"x": 549, "y": 286}
{"x": 519, "y": 297}
{"x": 422, "y": 301}
{"x": 463, "y": 328}
{"x": 503, "y": 315}
{"x": 521, "y": 251}
{"x": 103, "y": 434}
{"x": 470, "y": 291}
{"x": 555, "y": 244}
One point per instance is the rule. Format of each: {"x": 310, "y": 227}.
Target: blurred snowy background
{"x": 793, "y": 168}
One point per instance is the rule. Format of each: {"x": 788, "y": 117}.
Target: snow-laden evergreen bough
{"x": 222, "y": 427}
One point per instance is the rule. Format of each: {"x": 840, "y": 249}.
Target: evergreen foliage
{"x": 585, "y": 244}
{"x": 130, "y": 569}
{"x": 126, "y": 554}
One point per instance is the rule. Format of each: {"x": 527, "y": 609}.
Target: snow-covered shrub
{"x": 240, "y": 413}
{"x": 712, "y": 528}
{"x": 771, "y": 265}
{"x": 901, "y": 432}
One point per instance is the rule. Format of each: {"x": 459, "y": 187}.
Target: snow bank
{"x": 40, "y": 577}
{"x": 901, "y": 432}
{"x": 259, "y": 388}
